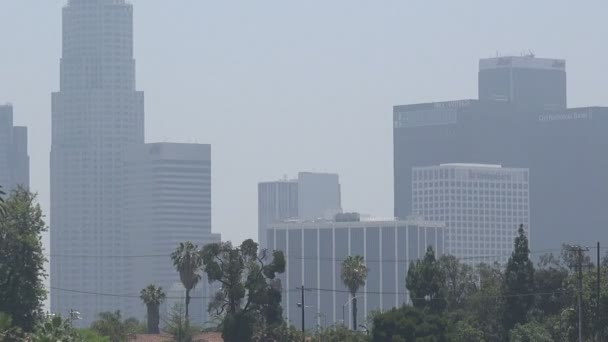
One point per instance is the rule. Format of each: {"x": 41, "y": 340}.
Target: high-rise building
{"x": 314, "y": 251}
{"x": 311, "y": 196}
{"x": 14, "y": 160}
{"x": 96, "y": 116}
{"x": 318, "y": 195}
{"x": 277, "y": 202}
{"x": 167, "y": 201}
{"x": 482, "y": 206}
{"x": 531, "y": 82}
{"x": 563, "y": 149}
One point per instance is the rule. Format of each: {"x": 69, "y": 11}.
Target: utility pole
{"x": 579, "y": 263}
{"x": 303, "y": 329}
{"x": 598, "y": 308}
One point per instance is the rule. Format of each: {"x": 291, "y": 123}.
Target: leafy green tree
{"x": 250, "y": 295}
{"x": 519, "y": 283}
{"x": 551, "y": 284}
{"x": 425, "y": 282}
{"x": 112, "y": 325}
{"x": 530, "y": 332}
{"x": 408, "y": 324}
{"x": 89, "y": 335}
{"x": 486, "y": 306}
{"x": 188, "y": 262}
{"x": 354, "y": 273}
{"x": 22, "y": 260}
{"x": 460, "y": 281}
{"x": 466, "y": 332}
{"x": 339, "y": 333}
{"x": 8, "y": 332}
{"x": 153, "y": 296}
{"x": 178, "y": 327}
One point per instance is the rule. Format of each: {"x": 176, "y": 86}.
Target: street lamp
{"x": 74, "y": 315}
{"x": 344, "y": 305}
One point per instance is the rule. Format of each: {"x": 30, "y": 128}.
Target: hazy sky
{"x": 279, "y": 87}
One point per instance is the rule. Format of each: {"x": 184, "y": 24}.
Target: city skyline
{"x": 379, "y": 54}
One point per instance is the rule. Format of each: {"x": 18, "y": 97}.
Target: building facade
{"x": 315, "y": 250}
{"x": 319, "y": 195}
{"x": 527, "y": 81}
{"x": 564, "y": 150}
{"x": 277, "y": 202}
{"x": 309, "y": 197}
{"x": 14, "y": 159}
{"x": 96, "y": 117}
{"x": 482, "y": 207}
{"x": 167, "y": 201}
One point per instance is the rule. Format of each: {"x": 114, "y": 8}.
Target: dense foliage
{"x": 22, "y": 260}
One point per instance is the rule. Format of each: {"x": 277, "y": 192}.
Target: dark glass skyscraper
{"x": 96, "y": 116}
{"x": 525, "y": 81}
{"x": 564, "y": 149}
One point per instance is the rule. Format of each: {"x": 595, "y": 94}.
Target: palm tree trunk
{"x": 354, "y": 313}
{"x": 187, "y": 303}
{"x": 151, "y": 319}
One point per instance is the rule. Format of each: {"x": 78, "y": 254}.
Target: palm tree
{"x": 188, "y": 261}
{"x": 110, "y": 324}
{"x": 153, "y": 296}
{"x": 354, "y": 274}
{"x": 2, "y": 209}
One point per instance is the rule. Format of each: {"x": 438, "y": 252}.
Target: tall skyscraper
{"x": 482, "y": 206}
{"x": 277, "y": 202}
{"x": 312, "y": 196}
{"x": 564, "y": 149}
{"x": 538, "y": 83}
{"x": 96, "y": 116}
{"x": 167, "y": 201}
{"x": 315, "y": 251}
{"x": 14, "y": 160}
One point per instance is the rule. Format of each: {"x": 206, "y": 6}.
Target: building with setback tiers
{"x": 167, "y": 201}
{"x": 14, "y": 160}
{"x": 564, "y": 149}
{"x": 314, "y": 252}
{"x": 97, "y": 115}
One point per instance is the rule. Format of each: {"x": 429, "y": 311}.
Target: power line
{"x": 299, "y": 257}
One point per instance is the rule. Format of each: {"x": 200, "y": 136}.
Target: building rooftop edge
{"x": 360, "y": 224}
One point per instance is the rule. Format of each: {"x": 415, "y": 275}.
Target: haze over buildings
{"x": 14, "y": 158}
{"x": 527, "y": 127}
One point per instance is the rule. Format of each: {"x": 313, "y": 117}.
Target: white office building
{"x": 167, "y": 201}
{"x": 482, "y": 206}
{"x": 315, "y": 250}
{"x": 96, "y": 116}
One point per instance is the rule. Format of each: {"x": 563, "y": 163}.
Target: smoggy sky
{"x": 279, "y": 87}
